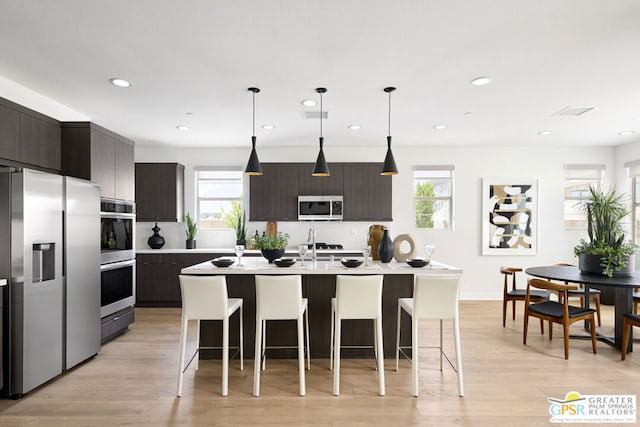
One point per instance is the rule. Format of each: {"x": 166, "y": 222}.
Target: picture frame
{"x": 509, "y": 216}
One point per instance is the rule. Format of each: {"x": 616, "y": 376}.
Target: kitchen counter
{"x": 289, "y": 252}
{"x": 319, "y": 286}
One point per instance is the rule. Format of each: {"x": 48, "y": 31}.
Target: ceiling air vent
{"x": 574, "y": 111}
{"x": 315, "y": 115}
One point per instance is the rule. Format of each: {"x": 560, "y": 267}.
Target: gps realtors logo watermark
{"x": 576, "y": 408}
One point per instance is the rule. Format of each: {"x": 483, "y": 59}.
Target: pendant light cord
{"x": 389, "y": 126}
{"x": 320, "y": 114}
{"x": 254, "y": 113}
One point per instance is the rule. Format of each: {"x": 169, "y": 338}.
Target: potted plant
{"x": 272, "y": 245}
{"x": 190, "y": 228}
{"x": 237, "y": 220}
{"x": 608, "y": 251}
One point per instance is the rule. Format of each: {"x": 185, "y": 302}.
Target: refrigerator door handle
{"x": 64, "y": 243}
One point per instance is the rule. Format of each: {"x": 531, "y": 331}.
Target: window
{"x": 218, "y": 192}
{"x": 577, "y": 180}
{"x": 433, "y": 197}
{"x": 633, "y": 171}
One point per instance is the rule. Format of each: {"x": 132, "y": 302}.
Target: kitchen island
{"x": 318, "y": 285}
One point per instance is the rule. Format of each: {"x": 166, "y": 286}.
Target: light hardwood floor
{"x": 133, "y": 382}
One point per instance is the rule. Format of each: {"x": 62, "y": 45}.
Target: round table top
{"x": 574, "y": 275}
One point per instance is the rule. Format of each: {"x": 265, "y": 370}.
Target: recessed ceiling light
{"x": 188, "y": 114}
{"x": 182, "y": 127}
{"x": 268, "y": 127}
{"x": 468, "y": 113}
{"x": 308, "y": 102}
{"x": 545, "y": 132}
{"x": 120, "y": 82}
{"x": 626, "y": 133}
{"x": 481, "y": 81}
{"x": 440, "y": 127}
{"x": 354, "y": 127}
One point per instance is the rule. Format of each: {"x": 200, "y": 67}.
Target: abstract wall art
{"x": 509, "y": 216}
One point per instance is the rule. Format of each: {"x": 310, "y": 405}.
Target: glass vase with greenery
{"x": 605, "y": 210}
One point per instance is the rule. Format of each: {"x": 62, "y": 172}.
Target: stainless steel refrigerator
{"x": 49, "y": 229}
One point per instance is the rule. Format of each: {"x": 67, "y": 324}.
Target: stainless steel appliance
{"x": 51, "y": 260}
{"x": 118, "y": 267}
{"x": 320, "y": 208}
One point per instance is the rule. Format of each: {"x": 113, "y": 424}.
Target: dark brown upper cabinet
{"x": 28, "y": 138}
{"x": 274, "y": 195}
{"x": 159, "y": 192}
{"x": 94, "y": 153}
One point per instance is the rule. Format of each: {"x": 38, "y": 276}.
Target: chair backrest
{"x": 278, "y": 297}
{"x": 549, "y": 285}
{"x": 359, "y": 297}
{"x": 436, "y": 296}
{"x": 509, "y": 271}
{"x": 204, "y": 297}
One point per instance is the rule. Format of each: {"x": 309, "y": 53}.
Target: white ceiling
{"x": 200, "y": 56}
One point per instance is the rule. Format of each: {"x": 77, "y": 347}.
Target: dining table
{"x": 623, "y": 287}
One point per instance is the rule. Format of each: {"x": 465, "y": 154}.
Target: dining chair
{"x": 629, "y": 321}
{"x": 205, "y": 298}
{"x": 280, "y": 298}
{"x": 357, "y": 297}
{"x": 434, "y": 297}
{"x": 514, "y": 294}
{"x": 556, "y": 312}
{"x": 594, "y": 294}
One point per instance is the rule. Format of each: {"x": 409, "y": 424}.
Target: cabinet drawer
{"x": 116, "y": 324}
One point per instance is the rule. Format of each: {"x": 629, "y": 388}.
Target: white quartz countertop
{"x": 261, "y": 266}
{"x": 288, "y": 251}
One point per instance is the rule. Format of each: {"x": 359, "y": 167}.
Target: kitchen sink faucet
{"x": 311, "y": 238}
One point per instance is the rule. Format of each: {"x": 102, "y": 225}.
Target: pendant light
{"x": 389, "y": 167}
{"x": 321, "y": 168}
{"x": 253, "y": 165}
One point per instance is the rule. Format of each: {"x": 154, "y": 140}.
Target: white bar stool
{"x": 357, "y": 297}
{"x": 434, "y": 297}
{"x": 280, "y": 298}
{"x": 205, "y": 298}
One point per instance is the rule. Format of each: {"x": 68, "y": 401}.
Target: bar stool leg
{"x": 257, "y": 357}
{"x": 333, "y": 320}
{"x": 197, "y": 342}
{"x": 241, "y": 341}
{"x": 398, "y": 335}
{"x": 306, "y": 314}
{"x": 225, "y": 356}
{"x": 456, "y": 336}
{"x": 263, "y": 355}
{"x": 414, "y": 356}
{"x": 380, "y": 354}
{"x": 301, "y": 354}
{"x": 336, "y": 358}
{"x": 183, "y": 349}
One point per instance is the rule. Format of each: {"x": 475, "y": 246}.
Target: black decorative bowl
{"x": 351, "y": 262}
{"x": 417, "y": 262}
{"x": 223, "y": 262}
{"x": 284, "y": 262}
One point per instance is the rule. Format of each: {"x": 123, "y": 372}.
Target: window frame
{"x": 450, "y": 198}
{"x": 199, "y": 199}
{"x": 599, "y": 169}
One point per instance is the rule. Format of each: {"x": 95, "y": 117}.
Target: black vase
{"x": 156, "y": 241}
{"x": 385, "y": 247}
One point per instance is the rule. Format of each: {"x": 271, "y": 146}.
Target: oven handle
{"x": 117, "y": 215}
{"x": 115, "y": 265}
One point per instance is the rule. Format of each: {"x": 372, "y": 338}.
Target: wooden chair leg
{"x": 597, "y": 301}
{"x": 593, "y": 334}
{"x": 504, "y": 312}
{"x": 625, "y": 338}
{"x": 542, "y": 326}
{"x": 550, "y": 331}
{"x": 566, "y": 341}
{"x": 513, "y": 308}
{"x": 526, "y": 326}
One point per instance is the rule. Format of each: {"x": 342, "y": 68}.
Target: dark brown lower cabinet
{"x": 157, "y": 283}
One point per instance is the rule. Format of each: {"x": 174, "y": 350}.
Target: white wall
{"x": 460, "y": 247}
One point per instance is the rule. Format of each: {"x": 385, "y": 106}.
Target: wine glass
{"x": 302, "y": 250}
{"x": 239, "y": 253}
{"x": 429, "y": 250}
{"x": 366, "y": 250}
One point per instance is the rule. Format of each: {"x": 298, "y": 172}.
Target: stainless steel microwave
{"x": 320, "y": 208}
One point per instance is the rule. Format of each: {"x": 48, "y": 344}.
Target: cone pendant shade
{"x": 321, "y": 168}
{"x": 389, "y": 167}
{"x": 253, "y": 165}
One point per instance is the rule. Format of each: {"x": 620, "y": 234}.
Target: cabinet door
{"x": 124, "y": 171}
{"x": 159, "y": 191}
{"x": 285, "y": 192}
{"x": 380, "y": 193}
{"x": 9, "y": 125}
{"x": 40, "y": 142}
{"x": 261, "y": 203}
{"x": 367, "y": 194}
{"x": 310, "y": 185}
{"x": 103, "y": 162}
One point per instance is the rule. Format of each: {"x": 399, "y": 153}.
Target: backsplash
{"x": 352, "y": 235}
